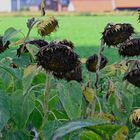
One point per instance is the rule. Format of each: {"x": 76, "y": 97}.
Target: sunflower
{"x": 115, "y": 34}
{"x": 63, "y": 42}
{"x": 47, "y": 26}
{"x": 133, "y": 77}
{"x": 92, "y": 61}
{"x": 135, "y": 117}
{"x": 57, "y": 58}
{"x": 3, "y": 47}
{"x": 130, "y": 48}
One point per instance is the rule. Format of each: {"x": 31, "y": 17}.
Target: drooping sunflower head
{"x": 57, "y": 58}
{"x": 135, "y": 117}
{"x": 130, "y": 48}
{"x": 92, "y": 61}
{"x": 133, "y": 77}
{"x": 3, "y": 47}
{"x": 47, "y": 26}
{"x": 63, "y": 42}
{"x": 115, "y": 34}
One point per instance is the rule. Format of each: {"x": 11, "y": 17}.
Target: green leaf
{"x": 22, "y": 107}
{"x": 28, "y": 76}
{"x": 4, "y": 110}
{"x": 137, "y": 137}
{"x": 107, "y": 130}
{"x": 75, "y": 125}
{"x": 48, "y": 129}
{"x": 33, "y": 50}
{"x": 36, "y": 118}
{"x": 19, "y": 135}
{"x": 127, "y": 100}
{"x": 89, "y": 135}
{"x": 71, "y": 98}
{"x": 9, "y": 33}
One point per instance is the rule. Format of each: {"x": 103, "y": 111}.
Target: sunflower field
{"x": 48, "y": 92}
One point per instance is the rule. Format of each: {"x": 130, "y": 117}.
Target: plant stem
{"x": 93, "y": 107}
{"x": 47, "y": 91}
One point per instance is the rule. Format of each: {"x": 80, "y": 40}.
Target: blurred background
{"x": 70, "y": 5}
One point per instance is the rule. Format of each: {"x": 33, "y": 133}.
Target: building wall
{"x": 127, "y": 3}
{"x": 103, "y": 5}
{"x": 5, "y": 6}
{"x": 92, "y": 5}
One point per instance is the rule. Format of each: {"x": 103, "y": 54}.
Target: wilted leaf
{"x": 71, "y": 99}
{"x": 88, "y": 94}
{"x": 121, "y": 134}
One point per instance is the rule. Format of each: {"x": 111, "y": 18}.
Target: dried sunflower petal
{"x": 135, "y": 117}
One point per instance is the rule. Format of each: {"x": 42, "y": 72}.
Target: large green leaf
{"x": 4, "y": 110}
{"x": 137, "y": 137}
{"x": 19, "y": 135}
{"x": 71, "y": 98}
{"x": 22, "y": 107}
{"x": 48, "y": 129}
{"x": 10, "y": 33}
{"x": 75, "y": 125}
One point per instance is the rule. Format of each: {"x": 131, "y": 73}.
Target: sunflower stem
{"x": 47, "y": 91}
{"x": 93, "y": 107}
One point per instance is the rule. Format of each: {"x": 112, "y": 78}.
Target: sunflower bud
{"x": 92, "y": 61}
{"x": 47, "y": 26}
{"x": 130, "y": 48}
{"x": 3, "y": 47}
{"x": 135, "y": 117}
{"x": 133, "y": 77}
{"x": 115, "y": 34}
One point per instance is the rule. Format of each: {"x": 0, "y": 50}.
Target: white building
{"x": 5, "y": 6}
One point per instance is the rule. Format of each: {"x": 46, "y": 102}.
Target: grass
{"x": 84, "y": 31}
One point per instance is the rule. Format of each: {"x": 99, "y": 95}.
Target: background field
{"x": 84, "y": 31}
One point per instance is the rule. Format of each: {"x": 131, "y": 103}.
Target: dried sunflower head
{"x": 3, "y": 47}
{"x": 59, "y": 59}
{"x": 115, "y": 34}
{"x": 133, "y": 77}
{"x": 75, "y": 74}
{"x": 130, "y": 48}
{"x": 135, "y": 117}
{"x": 47, "y": 26}
{"x": 38, "y": 43}
{"x": 92, "y": 61}
{"x": 63, "y": 42}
